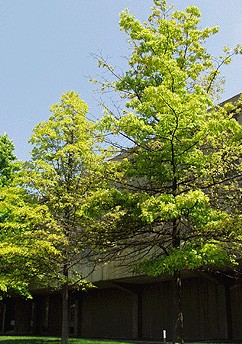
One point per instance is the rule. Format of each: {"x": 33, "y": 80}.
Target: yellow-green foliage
{"x": 182, "y": 172}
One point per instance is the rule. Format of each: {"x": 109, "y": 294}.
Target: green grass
{"x": 52, "y": 340}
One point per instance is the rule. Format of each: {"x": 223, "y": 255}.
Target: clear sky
{"x": 47, "y": 47}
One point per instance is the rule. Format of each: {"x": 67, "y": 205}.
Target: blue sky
{"x": 47, "y": 47}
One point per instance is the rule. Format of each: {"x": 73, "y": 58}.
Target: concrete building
{"x": 133, "y": 308}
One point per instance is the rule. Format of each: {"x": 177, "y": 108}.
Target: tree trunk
{"x": 178, "y": 335}
{"x": 65, "y": 311}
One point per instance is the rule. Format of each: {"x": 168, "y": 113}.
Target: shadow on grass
{"x": 52, "y": 340}
{"x": 27, "y": 340}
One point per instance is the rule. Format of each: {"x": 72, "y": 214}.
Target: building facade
{"x": 133, "y": 308}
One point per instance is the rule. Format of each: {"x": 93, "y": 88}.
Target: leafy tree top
{"x": 180, "y": 187}
{"x": 7, "y": 159}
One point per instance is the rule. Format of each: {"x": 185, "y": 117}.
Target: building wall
{"x": 157, "y": 310}
{"x": 109, "y": 313}
{"x": 129, "y": 310}
{"x": 22, "y": 317}
{"x": 236, "y": 312}
{"x": 41, "y": 314}
{"x": 55, "y": 315}
{"x": 204, "y": 309}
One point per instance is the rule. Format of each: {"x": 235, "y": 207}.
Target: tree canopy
{"x": 180, "y": 189}
{"x": 7, "y": 159}
{"x": 25, "y": 240}
{"x": 62, "y": 174}
{"x": 184, "y": 165}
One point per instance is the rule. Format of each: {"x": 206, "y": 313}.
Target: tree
{"x": 63, "y": 172}
{"x": 24, "y": 245}
{"x": 28, "y": 239}
{"x": 7, "y": 159}
{"x": 178, "y": 196}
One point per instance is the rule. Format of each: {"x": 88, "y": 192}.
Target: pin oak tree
{"x": 180, "y": 169}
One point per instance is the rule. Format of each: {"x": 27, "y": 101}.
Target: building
{"x": 132, "y": 308}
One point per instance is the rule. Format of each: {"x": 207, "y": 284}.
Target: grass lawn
{"x": 52, "y": 340}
